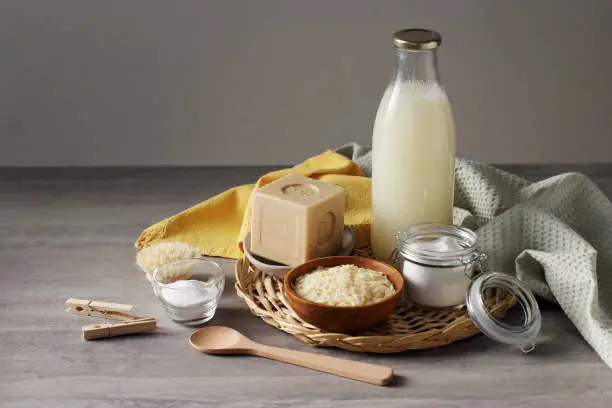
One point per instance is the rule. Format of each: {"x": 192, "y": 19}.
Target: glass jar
{"x": 438, "y": 276}
{"x": 442, "y": 265}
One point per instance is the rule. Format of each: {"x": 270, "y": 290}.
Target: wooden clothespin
{"x": 113, "y": 311}
{"x": 102, "y": 331}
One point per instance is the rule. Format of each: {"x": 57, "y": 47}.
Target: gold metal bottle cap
{"x": 417, "y": 39}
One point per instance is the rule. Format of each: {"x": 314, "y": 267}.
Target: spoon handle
{"x": 369, "y": 373}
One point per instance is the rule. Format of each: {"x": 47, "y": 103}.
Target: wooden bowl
{"x": 343, "y": 319}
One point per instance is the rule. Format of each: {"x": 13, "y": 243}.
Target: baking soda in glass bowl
{"x": 194, "y": 300}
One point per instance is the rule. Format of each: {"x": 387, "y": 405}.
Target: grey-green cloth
{"x": 554, "y": 235}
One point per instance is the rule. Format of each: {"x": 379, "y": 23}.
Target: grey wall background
{"x": 146, "y": 82}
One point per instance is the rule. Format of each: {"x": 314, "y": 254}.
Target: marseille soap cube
{"x": 296, "y": 219}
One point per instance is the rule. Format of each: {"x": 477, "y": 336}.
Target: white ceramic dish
{"x": 274, "y": 268}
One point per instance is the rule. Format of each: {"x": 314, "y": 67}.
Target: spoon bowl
{"x": 219, "y": 340}
{"x": 223, "y": 340}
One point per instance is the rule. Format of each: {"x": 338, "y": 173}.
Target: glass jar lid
{"x": 438, "y": 245}
{"x": 525, "y": 326}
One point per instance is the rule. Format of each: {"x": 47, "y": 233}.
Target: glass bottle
{"x": 413, "y": 144}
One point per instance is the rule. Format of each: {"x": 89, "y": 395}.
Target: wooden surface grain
{"x": 70, "y": 233}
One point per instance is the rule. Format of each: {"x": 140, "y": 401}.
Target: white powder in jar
{"x": 436, "y": 286}
{"x": 344, "y": 285}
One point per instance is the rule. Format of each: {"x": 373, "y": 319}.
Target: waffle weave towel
{"x": 555, "y": 235}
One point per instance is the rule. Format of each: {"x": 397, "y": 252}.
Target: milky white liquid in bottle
{"x": 413, "y": 152}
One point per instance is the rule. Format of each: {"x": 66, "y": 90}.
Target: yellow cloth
{"x": 218, "y": 225}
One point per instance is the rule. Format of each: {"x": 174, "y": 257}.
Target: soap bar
{"x": 296, "y": 219}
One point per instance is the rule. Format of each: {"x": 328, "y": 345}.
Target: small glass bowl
{"x": 189, "y": 289}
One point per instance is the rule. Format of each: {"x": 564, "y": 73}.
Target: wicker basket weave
{"x": 410, "y": 327}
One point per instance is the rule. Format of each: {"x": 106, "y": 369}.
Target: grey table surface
{"x": 70, "y": 233}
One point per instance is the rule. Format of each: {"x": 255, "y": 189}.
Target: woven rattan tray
{"x": 410, "y": 327}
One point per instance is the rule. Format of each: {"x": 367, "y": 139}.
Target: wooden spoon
{"x": 223, "y": 340}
